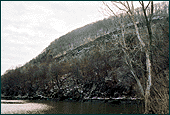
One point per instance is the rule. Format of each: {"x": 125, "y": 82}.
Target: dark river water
{"x": 59, "y": 107}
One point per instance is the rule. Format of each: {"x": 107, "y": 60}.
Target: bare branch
{"x": 140, "y": 2}
{"x": 118, "y": 6}
{"x": 151, "y": 12}
{"x": 106, "y": 12}
{"x": 128, "y": 7}
{"x": 109, "y": 8}
{"x": 147, "y": 5}
{"x": 132, "y": 8}
{"x": 152, "y": 7}
{"x": 116, "y": 1}
{"x": 124, "y": 5}
{"x": 160, "y": 83}
{"x": 102, "y": 11}
{"x": 133, "y": 73}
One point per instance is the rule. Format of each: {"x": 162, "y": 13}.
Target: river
{"x": 60, "y": 107}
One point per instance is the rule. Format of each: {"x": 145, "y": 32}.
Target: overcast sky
{"x": 28, "y": 27}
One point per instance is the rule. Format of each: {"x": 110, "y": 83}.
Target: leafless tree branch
{"x": 128, "y": 7}
{"x": 109, "y": 8}
{"x": 147, "y": 5}
{"x": 118, "y": 6}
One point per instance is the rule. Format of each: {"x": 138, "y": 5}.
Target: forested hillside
{"x": 91, "y": 62}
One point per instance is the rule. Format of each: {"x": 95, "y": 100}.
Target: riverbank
{"x": 118, "y": 100}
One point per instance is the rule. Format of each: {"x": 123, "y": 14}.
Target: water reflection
{"x": 52, "y": 107}
{"x": 22, "y": 107}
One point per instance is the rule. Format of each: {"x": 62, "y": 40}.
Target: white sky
{"x": 27, "y": 27}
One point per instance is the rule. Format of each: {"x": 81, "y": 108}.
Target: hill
{"x": 90, "y": 62}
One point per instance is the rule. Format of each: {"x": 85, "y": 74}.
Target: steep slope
{"x": 87, "y": 62}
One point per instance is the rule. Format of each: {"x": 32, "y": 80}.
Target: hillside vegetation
{"x": 89, "y": 62}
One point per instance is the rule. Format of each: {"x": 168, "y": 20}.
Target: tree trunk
{"x": 147, "y": 91}
{"x": 148, "y": 57}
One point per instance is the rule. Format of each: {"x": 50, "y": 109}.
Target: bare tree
{"x": 128, "y": 8}
{"x": 148, "y": 51}
{"x": 123, "y": 40}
